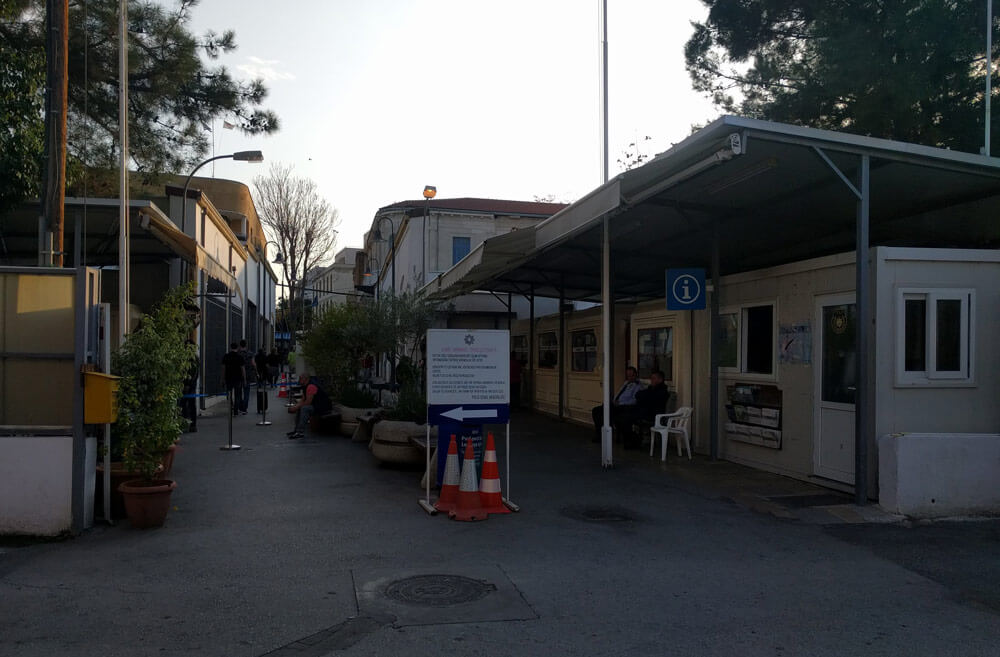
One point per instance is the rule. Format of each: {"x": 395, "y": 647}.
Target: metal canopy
{"x": 93, "y": 222}
{"x": 778, "y": 193}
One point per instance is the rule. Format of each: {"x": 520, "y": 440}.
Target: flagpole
{"x": 213, "y": 147}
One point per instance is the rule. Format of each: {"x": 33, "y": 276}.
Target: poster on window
{"x": 795, "y": 343}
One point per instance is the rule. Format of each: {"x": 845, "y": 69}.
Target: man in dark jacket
{"x": 650, "y": 401}
{"x": 234, "y": 374}
{"x": 314, "y": 401}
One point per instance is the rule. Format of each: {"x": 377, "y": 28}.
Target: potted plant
{"x": 153, "y": 361}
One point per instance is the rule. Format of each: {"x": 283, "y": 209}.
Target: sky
{"x": 378, "y": 98}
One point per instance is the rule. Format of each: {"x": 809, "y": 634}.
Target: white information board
{"x": 468, "y": 367}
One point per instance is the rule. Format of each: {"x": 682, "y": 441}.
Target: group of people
{"x": 633, "y": 403}
{"x": 241, "y": 369}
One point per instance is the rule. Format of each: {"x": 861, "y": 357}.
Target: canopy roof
{"x": 776, "y": 194}
{"x": 152, "y": 237}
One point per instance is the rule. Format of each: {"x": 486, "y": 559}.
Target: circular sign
{"x": 838, "y": 321}
{"x": 686, "y": 289}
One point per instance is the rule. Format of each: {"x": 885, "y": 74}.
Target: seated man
{"x": 314, "y": 401}
{"x": 623, "y": 408}
{"x": 651, "y": 401}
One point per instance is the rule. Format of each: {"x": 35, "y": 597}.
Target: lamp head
{"x": 278, "y": 259}
{"x": 430, "y": 191}
{"x": 249, "y": 156}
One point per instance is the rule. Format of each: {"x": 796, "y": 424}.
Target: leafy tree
{"x": 344, "y": 333}
{"x": 22, "y": 129}
{"x": 174, "y": 91}
{"x": 911, "y": 70}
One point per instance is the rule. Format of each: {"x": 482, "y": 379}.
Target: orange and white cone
{"x": 283, "y": 385}
{"x": 449, "y": 487}
{"x": 468, "y": 506}
{"x": 489, "y": 486}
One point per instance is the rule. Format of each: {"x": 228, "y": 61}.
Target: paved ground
{"x": 311, "y": 548}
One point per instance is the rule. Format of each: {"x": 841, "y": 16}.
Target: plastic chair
{"x": 671, "y": 423}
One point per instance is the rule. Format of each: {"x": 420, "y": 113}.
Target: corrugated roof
{"x": 478, "y": 205}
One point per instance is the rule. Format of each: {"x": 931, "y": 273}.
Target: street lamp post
{"x": 278, "y": 260}
{"x": 430, "y": 191}
{"x": 392, "y": 248}
{"x": 242, "y": 156}
{"x": 392, "y": 273}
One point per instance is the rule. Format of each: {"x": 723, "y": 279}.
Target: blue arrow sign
{"x": 468, "y": 413}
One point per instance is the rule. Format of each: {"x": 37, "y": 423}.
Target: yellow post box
{"x": 100, "y": 398}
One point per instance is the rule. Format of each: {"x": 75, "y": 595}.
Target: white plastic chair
{"x": 671, "y": 423}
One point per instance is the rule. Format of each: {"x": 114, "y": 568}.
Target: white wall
{"x": 36, "y": 479}
{"x": 943, "y": 407}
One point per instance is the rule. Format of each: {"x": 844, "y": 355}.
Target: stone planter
{"x": 391, "y": 442}
{"x": 349, "y": 417}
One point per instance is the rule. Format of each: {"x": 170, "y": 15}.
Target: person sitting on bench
{"x": 314, "y": 401}
{"x": 623, "y": 407}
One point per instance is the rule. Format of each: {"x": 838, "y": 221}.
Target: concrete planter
{"x": 391, "y": 442}
{"x": 932, "y": 475}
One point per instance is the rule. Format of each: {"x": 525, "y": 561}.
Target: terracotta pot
{"x": 147, "y": 502}
{"x": 119, "y": 475}
{"x": 168, "y": 461}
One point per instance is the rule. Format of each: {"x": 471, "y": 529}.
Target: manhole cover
{"x": 438, "y": 590}
{"x": 599, "y": 513}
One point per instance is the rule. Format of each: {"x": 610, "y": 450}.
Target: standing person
{"x": 273, "y": 367}
{"x": 250, "y": 375}
{"x": 234, "y": 375}
{"x": 189, "y": 408}
{"x": 515, "y": 380}
{"x": 314, "y": 401}
{"x": 260, "y": 363}
{"x": 624, "y": 408}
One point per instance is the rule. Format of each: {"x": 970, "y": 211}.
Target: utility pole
{"x": 50, "y": 250}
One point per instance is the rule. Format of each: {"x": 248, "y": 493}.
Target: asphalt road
{"x": 310, "y": 547}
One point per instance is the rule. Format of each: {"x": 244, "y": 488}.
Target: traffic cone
{"x": 489, "y": 486}
{"x": 468, "y": 506}
{"x": 282, "y": 385}
{"x": 449, "y": 487}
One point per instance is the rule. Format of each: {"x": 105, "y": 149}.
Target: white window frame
{"x": 930, "y": 376}
{"x": 741, "y": 341}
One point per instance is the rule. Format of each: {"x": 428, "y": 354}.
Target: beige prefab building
{"x": 874, "y": 375}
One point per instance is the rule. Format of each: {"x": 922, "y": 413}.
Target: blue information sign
{"x": 686, "y": 289}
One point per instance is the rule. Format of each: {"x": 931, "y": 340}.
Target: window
{"x": 729, "y": 340}
{"x": 459, "y": 248}
{"x": 519, "y": 345}
{"x": 656, "y": 351}
{"x": 548, "y": 349}
{"x": 935, "y": 327}
{"x": 584, "y": 350}
{"x": 747, "y": 338}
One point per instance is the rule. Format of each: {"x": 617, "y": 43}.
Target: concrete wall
{"x": 36, "y": 485}
{"x": 930, "y": 475}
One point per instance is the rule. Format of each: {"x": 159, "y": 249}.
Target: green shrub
{"x": 153, "y": 362}
{"x": 354, "y": 397}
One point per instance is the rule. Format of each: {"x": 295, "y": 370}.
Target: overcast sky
{"x": 378, "y": 98}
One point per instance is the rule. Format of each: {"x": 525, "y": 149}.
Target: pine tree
{"x": 911, "y": 70}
